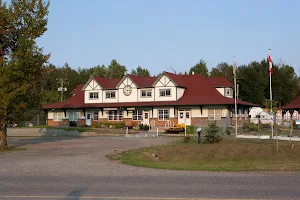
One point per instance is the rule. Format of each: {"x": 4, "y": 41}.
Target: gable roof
{"x": 142, "y": 81}
{"x": 198, "y": 91}
{"x": 294, "y": 104}
{"x": 107, "y": 83}
{"x": 219, "y": 81}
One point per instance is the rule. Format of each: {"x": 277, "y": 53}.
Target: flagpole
{"x": 235, "y": 106}
{"x": 271, "y": 99}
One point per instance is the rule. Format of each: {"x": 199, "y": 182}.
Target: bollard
{"x": 156, "y": 132}
{"x": 127, "y": 131}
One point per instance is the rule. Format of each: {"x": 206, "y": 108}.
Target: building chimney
{"x": 125, "y": 73}
{"x": 193, "y": 72}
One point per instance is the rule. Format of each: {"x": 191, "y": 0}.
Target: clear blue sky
{"x": 159, "y": 34}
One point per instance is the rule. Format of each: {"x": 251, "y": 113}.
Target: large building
{"x": 166, "y": 100}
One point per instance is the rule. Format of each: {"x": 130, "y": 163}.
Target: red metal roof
{"x": 294, "y": 104}
{"x": 198, "y": 91}
{"x": 77, "y": 89}
{"x": 219, "y": 81}
{"x": 107, "y": 83}
{"x": 142, "y": 81}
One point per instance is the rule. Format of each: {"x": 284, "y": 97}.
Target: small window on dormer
{"x": 146, "y": 93}
{"x": 228, "y": 92}
{"x": 94, "y": 95}
{"x": 110, "y": 95}
{"x": 165, "y": 92}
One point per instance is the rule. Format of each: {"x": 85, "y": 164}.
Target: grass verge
{"x": 242, "y": 155}
{"x": 11, "y": 149}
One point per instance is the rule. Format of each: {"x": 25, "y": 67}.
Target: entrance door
{"x": 188, "y": 118}
{"x": 146, "y": 117}
{"x": 184, "y": 117}
{"x": 88, "y": 118}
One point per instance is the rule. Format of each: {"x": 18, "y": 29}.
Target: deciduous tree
{"x": 21, "y": 60}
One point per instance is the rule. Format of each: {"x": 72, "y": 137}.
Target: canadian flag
{"x": 270, "y": 63}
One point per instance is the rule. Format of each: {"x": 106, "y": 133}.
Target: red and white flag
{"x": 270, "y": 63}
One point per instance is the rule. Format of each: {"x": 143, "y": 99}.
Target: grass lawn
{"x": 11, "y": 149}
{"x": 241, "y": 155}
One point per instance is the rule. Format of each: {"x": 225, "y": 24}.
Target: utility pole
{"x": 62, "y": 89}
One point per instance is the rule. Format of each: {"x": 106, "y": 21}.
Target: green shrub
{"x": 250, "y": 127}
{"x": 72, "y": 123}
{"x": 120, "y": 125}
{"x": 143, "y": 126}
{"x": 212, "y": 133}
{"x": 95, "y": 124}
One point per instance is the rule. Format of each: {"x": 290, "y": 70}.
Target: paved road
{"x": 71, "y": 168}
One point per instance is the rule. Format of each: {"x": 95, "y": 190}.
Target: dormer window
{"x": 228, "y": 92}
{"x": 94, "y": 95}
{"x": 110, "y": 94}
{"x": 165, "y": 92}
{"x": 146, "y": 93}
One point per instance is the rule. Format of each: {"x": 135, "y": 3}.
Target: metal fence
{"x": 40, "y": 119}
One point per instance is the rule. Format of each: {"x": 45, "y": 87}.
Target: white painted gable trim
{"x": 123, "y": 79}
{"x": 88, "y": 82}
{"x": 158, "y": 79}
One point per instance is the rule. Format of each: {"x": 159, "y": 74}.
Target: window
{"x": 214, "y": 114}
{"x": 73, "y": 116}
{"x": 95, "y": 115}
{"x": 137, "y": 115}
{"x": 228, "y": 92}
{"x": 165, "y": 92}
{"x": 94, "y": 95}
{"x": 163, "y": 115}
{"x": 146, "y": 93}
{"x": 110, "y": 95}
{"x": 57, "y": 116}
{"x": 115, "y": 115}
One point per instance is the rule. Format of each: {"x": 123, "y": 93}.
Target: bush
{"x": 144, "y": 127}
{"x": 212, "y": 133}
{"x": 120, "y": 125}
{"x": 250, "y": 127}
{"x": 72, "y": 123}
{"x": 95, "y": 124}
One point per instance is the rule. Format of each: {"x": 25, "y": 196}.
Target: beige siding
{"x": 221, "y": 90}
{"x": 143, "y": 99}
{"x": 87, "y": 96}
{"x": 165, "y": 98}
{"x": 180, "y": 92}
{"x": 133, "y": 97}
{"x": 110, "y": 100}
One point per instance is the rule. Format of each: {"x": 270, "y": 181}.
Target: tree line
{"x": 253, "y": 79}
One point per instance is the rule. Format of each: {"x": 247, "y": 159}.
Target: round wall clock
{"x": 127, "y": 90}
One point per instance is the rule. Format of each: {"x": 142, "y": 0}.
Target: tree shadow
{"x": 75, "y": 194}
{"x": 18, "y": 141}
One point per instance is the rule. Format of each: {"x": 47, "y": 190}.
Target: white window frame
{"x": 108, "y": 94}
{"x": 230, "y": 92}
{"x": 57, "y": 116}
{"x": 93, "y": 95}
{"x": 73, "y": 116}
{"x": 214, "y": 115}
{"x": 163, "y": 92}
{"x": 137, "y": 115}
{"x": 115, "y": 115}
{"x": 95, "y": 113}
{"x": 148, "y": 93}
{"x": 163, "y": 114}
